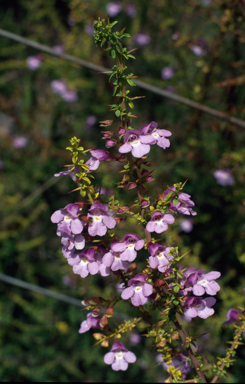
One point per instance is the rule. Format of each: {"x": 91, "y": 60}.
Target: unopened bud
{"x": 132, "y": 185}
{"x": 144, "y": 203}
{"x": 110, "y": 143}
{"x": 121, "y": 131}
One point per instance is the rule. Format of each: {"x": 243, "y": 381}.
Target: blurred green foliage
{"x": 39, "y": 336}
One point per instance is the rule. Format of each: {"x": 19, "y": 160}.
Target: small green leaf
{"x": 176, "y": 201}
{"x": 113, "y": 53}
{"x": 117, "y": 113}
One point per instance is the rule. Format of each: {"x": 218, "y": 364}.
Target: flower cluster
{"x": 200, "y": 283}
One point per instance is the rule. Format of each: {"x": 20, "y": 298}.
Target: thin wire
{"x": 54, "y": 295}
{"x": 35, "y": 288}
{"x": 141, "y": 84}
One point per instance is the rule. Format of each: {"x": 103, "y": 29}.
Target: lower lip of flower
{"x": 160, "y": 255}
{"x": 199, "y": 307}
{"x": 119, "y": 355}
{"x": 130, "y": 246}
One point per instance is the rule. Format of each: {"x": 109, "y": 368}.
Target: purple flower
{"x": 114, "y": 8}
{"x": 198, "y": 51}
{"x": 58, "y": 48}
{"x": 200, "y": 283}
{"x": 71, "y": 242}
{"x": 167, "y": 73}
{"x": 69, "y": 95}
{"x": 102, "y": 219}
{"x": 159, "y": 222}
{"x": 89, "y": 29}
{"x": 20, "y": 142}
{"x": 131, "y": 10}
{"x": 113, "y": 260}
{"x": 160, "y": 257}
{"x": 197, "y": 306}
{"x": 152, "y": 135}
{"x": 120, "y": 287}
{"x": 34, "y": 62}
{"x": 138, "y": 290}
{"x": 133, "y": 143}
{"x": 119, "y": 357}
{"x": 58, "y": 86}
{"x": 232, "y": 316}
{"x": 224, "y": 177}
{"x": 128, "y": 247}
{"x": 134, "y": 338}
{"x": 70, "y": 173}
{"x": 67, "y": 219}
{"x": 98, "y": 155}
{"x": 99, "y": 254}
{"x": 84, "y": 263}
{"x": 71, "y": 22}
{"x": 90, "y": 122}
{"x": 184, "y": 205}
{"x": 142, "y": 38}
{"x": 181, "y": 365}
{"x": 91, "y": 322}
{"x": 186, "y": 225}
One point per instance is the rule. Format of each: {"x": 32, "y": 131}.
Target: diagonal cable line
{"x": 141, "y": 84}
{"x": 35, "y": 288}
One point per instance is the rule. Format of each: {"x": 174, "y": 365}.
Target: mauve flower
{"x": 224, "y": 177}
{"x": 84, "y": 263}
{"x": 142, "y": 38}
{"x": 186, "y": 225}
{"x": 128, "y": 246}
{"x": 113, "y": 260}
{"x": 58, "y": 86}
{"x": 70, "y": 173}
{"x": 90, "y": 122}
{"x": 200, "y": 283}
{"x": 20, "y": 142}
{"x": 131, "y": 10}
{"x": 151, "y": 135}
{"x": 232, "y": 316}
{"x": 98, "y": 155}
{"x": 184, "y": 204}
{"x": 198, "y": 51}
{"x": 119, "y": 357}
{"x": 34, "y": 62}
{"x": 90, "y": 322}
{"x": 197, "y": 306}
{"x": 72, "y": 242}
{"x": 102, "y": 219}
{"x": 133, "y": 143}
{"x": 67, "y": 219}
{"x": 99, "y": 254}
{"x": 89, "y": 29}
{"x": 180, "y": 364}
{"x": 160, "y": 257}
{"x": 114, "y": 8}
{"x": 167, "y": 73}
{"x": 138, "y": 290}
{"x": 159, "y": 222}
{"x": 69, "y": 95}
{"x": 71, "y": 22}
{"x": 58, "y": 48}
{"x": 134, "y": 338}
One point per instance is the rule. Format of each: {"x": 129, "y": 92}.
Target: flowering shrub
{"x": 161, "y": 290}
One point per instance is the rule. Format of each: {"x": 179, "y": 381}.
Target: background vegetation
{"x": 39, "y": 335}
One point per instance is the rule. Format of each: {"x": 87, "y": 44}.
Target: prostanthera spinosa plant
{"x": 91, "y": 244}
